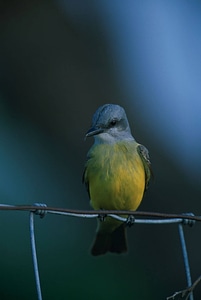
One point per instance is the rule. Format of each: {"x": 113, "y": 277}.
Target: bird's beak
{"x": 94, "y": 131}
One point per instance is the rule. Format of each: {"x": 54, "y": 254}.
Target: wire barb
{"x": 41, "y": 212}
{"x": 189, "y": 222}
{"x": 184, "y": 294}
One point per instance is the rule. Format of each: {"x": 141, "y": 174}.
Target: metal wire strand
{"x": 93, "y": 213}
{"x": 186, "y": 261}
{"x": 34, "y": 256}
{"x": 42, "y": 209}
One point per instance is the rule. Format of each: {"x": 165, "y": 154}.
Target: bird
{"x": 116, "y": 174}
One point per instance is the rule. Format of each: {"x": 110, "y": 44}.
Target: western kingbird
{"x": 117, "y": 173}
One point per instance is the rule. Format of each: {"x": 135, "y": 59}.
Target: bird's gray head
{"x": 110, "y": 125}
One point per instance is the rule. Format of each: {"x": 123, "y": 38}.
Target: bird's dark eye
{"x": 113, "y": 122}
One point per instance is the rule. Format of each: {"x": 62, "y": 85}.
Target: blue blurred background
{"x": 60, "y": 60}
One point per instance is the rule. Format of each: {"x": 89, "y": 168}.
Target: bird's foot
{"x": 102, "y": 217}
{"x": 130, "y": 221}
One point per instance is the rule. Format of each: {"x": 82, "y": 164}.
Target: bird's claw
{"x": 102, "y": 217}
{"x": 130, "y": 220}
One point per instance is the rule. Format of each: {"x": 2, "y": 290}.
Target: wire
{"x": 34, "y": 256}
{"x": 94, "y": 213}
{"x": 42, "y": 210}
{"x": 185, "y": 257}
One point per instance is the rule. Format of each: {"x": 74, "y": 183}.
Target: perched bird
{"x": 117, "y": 173}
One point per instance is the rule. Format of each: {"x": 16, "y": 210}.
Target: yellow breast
{"x": 116, "y": 176}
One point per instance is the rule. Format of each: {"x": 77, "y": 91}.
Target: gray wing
{"x": 144, "y": 155}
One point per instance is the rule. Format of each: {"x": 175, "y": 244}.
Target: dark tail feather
{"x": 101, "y": 244}
{"x": 119, "y": 242}
{"x": 110, "y": 242}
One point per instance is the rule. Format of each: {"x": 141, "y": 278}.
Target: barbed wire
{"x": 155, "y": 218}
{"x": 96, "y": 213}
{"x": 185, "y": 294}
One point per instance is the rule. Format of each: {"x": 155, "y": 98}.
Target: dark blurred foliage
{"x": 54, "y": 74}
